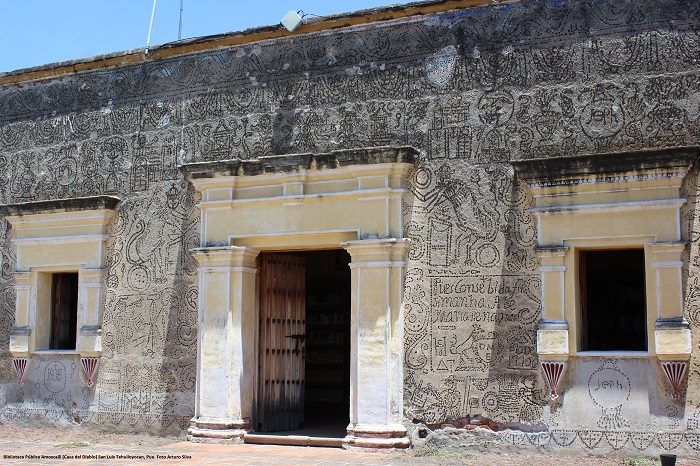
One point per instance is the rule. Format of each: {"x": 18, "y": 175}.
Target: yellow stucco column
{"x": 21, "y": 332}
{"x": 672, "y": 340}
{"x": 376, "y": 356}
{"x": 553, "y": 332}
{"x": 91, "y": 291}
{"x": 226, "y": 343}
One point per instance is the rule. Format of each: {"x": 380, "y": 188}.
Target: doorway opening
{"x": 304, "y": 344}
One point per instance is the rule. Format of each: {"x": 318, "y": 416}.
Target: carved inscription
{"x": 468, "y": 317}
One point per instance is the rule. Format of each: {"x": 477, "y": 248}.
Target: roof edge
{"x": 247, "y": 36}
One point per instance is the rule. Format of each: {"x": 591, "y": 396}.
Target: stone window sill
{"x": 613, "y": 354}
{"x": 49, "y": 352}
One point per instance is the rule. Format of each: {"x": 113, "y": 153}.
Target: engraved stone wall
{"x": 472, "y": 89}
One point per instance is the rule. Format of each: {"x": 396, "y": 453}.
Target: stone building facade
{"x": 506, "y": 143}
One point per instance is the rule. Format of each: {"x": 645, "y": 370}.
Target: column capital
{"x": 387, "y": 252}
{"x": 22, "y": 279}
{"x": 225, "y": 256}
{"x": 91, "y": 275}
{"x": 667, "y": 254}
{"x": 668, "y": 246}
{"x": 547, "y": 252}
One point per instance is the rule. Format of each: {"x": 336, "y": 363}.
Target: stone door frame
{"x": 345, "y": 199}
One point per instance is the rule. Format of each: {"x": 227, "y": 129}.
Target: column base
{"x": 217, "y": 430}
{"x": 376, "y": 437}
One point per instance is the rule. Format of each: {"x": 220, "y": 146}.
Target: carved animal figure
{"x": 475, "y": 208}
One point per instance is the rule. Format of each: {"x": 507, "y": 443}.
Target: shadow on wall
{"x": 472, "y": 300}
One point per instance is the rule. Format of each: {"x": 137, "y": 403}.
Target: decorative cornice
{"x": 672, "y": 323}
{"x": 61, "y": 205}
{"x": 609, "y": 207}
{"x": 298, "y": 162}
{"x": 23, "y": 330}
{"x": 91, "y": 330}
{"x": 553, "y": 325}
{"x": 609, "y": 167}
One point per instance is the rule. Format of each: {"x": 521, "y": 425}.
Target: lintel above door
{"x": 304, "y": 199}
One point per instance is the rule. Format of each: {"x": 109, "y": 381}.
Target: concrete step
{"x": 294, "y": 440}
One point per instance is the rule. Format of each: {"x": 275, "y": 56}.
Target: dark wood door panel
{"x": 282, "y": 324}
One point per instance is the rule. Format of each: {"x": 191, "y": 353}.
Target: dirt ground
{"x": 21, "y": 445}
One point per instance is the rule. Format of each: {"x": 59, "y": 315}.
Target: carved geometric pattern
{"x": 675, "y": 371}
{"x": 552, "y": 373}
{"x": 20, "y": 366}
{"x": 89, "y": 366}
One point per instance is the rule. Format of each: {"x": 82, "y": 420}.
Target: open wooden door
{"x": 282, "y": 333}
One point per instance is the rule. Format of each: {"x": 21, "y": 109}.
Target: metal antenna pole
{"x": 179, "y": 30}
{"x": 182, "y": 101}
{"x": 150, "y": 27}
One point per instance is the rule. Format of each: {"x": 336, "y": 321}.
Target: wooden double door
{"x": 282, "y": 333}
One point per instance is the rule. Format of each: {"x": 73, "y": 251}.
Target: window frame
{"x": 610, "y": 201}
{"x": 574, "y": 297}
{"x": 59, "y": 236}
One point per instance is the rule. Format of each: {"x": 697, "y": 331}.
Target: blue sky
{"x": 37, "y": 32}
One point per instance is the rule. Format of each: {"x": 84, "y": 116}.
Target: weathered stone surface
{"x": 538, "y": 170}
{"x": 60, "y": 205}
{"x": 297, "y": 162}
{"x": 472, "y": 90}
